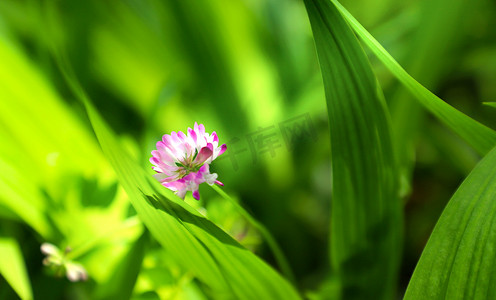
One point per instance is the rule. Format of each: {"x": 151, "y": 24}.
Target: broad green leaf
{"x": 480, "y": 137}
{"x": 459, "y": 259}
{"x": 365, "y": 209}
{"x": 13, "y": 269}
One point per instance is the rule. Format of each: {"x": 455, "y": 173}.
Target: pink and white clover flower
{"x": 182, "y": 160}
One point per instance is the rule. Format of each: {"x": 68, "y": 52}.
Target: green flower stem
{"x": 276, "y": 250}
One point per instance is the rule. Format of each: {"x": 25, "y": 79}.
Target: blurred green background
{"x": 247, "y": 69}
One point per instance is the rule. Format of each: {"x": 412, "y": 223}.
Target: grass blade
{"x": 480, "y": 137}
{"x": 227, "y": 268}
{"x": 493, "y": 104}
{"x": 458, "y": 261}
{"x": 195, "y": 242}
{"x": 13, "y": 269}
{"x": 365, "y": 209}
{"x": 439, "y": 26}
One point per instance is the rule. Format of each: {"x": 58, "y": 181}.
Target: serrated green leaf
{"x": 13, "y": 269}
{"x": 480, "y": 137}
{"x": 365, "y": 208}
{"x": 459, "y": 259}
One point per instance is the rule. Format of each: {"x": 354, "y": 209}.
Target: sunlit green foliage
{"x": 345, "y": 143}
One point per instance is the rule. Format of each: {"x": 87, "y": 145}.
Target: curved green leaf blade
{"x": 13, "y": 269}
{"x": 459, "y": 260}
{"x": 226, "y": 267}
{"x": 365, "y": 208}
{"x": 480, "y": 137}
{"x": 195, "y": 242}
{"x": 437, "y": 26}
{"x": 22, "y": 198}
{"x": 493, "y": 104}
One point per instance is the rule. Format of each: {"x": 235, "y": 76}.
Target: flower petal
{"x": 201, "y": 129}
{"x": 223, "y": 149}
{"x": 215, "y": 137}
{"x": 173, "y": 160}
{"x": 181, "y": 136}
{"x": 75, "y": 272}
{"x": 49, "y": 249}
{"x": 181, "y": 193}
{"x": 192, "y": 135}
{"x": 210, "y": 179}
{"x": 203, "y": 155}
{"x": 160, "y": 176}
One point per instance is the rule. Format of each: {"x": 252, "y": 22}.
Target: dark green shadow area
{"x": 160, "y": 202}
{"x": 366, "y": 278}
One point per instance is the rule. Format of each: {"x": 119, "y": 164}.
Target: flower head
{"x": 58, "y": 260}
{"x": 182, "y": 160}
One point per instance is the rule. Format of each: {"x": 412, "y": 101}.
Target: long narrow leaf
{"x": 493, "y": 104}
{"x": 226, "y": 267}
{"x": 13, "y": 269}
{"x": 218, "y": 260}
{"x": 23, "y": 199}
{"x": 439, "y": 26}
{"x": 365, "y": 209}
{"x": 480, "y": 137}
{"x": 459, "y": 259}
